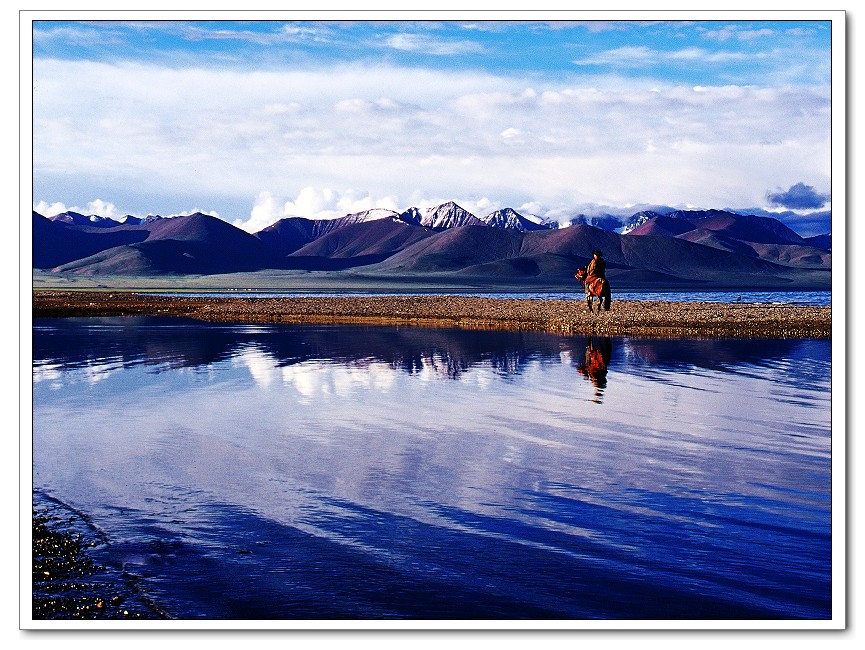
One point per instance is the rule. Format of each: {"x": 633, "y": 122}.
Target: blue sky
{"x": 255, "y": 120}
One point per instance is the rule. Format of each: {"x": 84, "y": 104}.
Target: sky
{"x": 257, "y": 120}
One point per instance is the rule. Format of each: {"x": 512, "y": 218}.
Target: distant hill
{"x": 365, "y": 242}
{"x": 292, "y": 233}
{"x": 455, "y": 249}
{"x": 288, "y": 235}
{"x": 196, "y": 243}
{"x": 57, "y": 242}
{"x": 752, "y": 236}
{"x": 713, "y": 247}
{"x": 576, "y": 242}
{"x": 820, "y": 241}
{"x": 77, "y": 219}
{"x": 449, "y": 215}
{"x": 743, "y": 227}
{"x": 510, "y": 219}
{"x": 556, "y": 254}
{"x": 663, "y": 226}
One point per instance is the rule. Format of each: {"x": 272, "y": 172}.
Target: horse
{"x": 595, "y": 288}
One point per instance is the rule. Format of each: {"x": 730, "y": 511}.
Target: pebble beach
{"x": 625, "y": 318}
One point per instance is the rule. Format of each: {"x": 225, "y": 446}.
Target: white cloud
{"x": 688, "y": 53}
{"x": 97, "y": 207}
{"x": 281, "y": 108}
{"x": 312, "y": 203}
{"x": 265, "y": 211}
{"x": 102, "y": 209}
{"x": 642, "y": 56}
{"x": 738, "y": 32}
{"x": 427, "y": 44}
{"x": 324, "y": 143}
{"x": 76, "y": 35}
{"x": 753, "y": 34}
{"x": 631, "y": 55}
{"x": 307, "y": 31}
{"x": 49, "y": 209}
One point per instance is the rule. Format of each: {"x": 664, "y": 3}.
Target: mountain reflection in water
{"x": 174, "y": 343}
{"x": 327, "y": 472}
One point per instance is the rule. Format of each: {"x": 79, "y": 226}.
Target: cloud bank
{"x": 799, "y": 197}
{"x": 325, "y": 137}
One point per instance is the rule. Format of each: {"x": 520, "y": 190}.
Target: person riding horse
{"x": 594, "y": 275}
{"x": 597, "y": 267}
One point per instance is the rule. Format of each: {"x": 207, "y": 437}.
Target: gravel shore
{"x": 68, "y": 583}
{"x": 631, "y": 317}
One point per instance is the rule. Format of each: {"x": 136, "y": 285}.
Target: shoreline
{"x": 68, "y": 580}
{"x": 626, "y": 318}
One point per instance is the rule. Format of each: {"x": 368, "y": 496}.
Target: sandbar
{"x": 625, "y": 318}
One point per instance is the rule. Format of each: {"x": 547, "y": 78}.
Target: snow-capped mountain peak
{"x": 371, "y": 215}
{"x": 412, "y": 215}
{"x": 449, "y": 215}
{"x": 512, "y": 220}
{"x": 636, "y": 221}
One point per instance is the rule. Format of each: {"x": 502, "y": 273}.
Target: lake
{"x": 268, "y": 472}
{"x": 811, "y": 298}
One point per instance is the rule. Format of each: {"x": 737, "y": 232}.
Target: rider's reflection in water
{"x": 594, "y": 364}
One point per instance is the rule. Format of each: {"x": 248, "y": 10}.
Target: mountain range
{"x": 708, "y": 247}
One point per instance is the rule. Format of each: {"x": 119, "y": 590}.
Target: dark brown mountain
{"x": 713, "y": 239}
{"x": 512, "y": 220}
{"x": 764, "y": 230}
{"x": 760, "y": 237}
{"x": 77, "y": 219}
{"x": 725, "y": 224}
{"x": 289, "y": 234}
{"x": 456, "y": 248}
{"x": 195, "y": 243}
{"x": 379, "y": 238}
{"x": 820, "y": 241}
{"x": 449, "y": 215}
{"x": 663, "y": 225}
{"x": 787, "y": 254}
{"x": 293, "y": 233}
{"x": 574, "y": 242}
{"x": 557, "y": 253}
{"x": 59, "y": 242}
{"x": 131, "y": 259}
{"x": 683, "y": 259}
{"x": 712, "y": 247}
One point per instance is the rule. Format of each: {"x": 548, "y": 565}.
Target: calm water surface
{"x": 337, "y": 472}
{"x": 751, "y": 297}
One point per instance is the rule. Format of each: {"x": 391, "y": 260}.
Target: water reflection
{"x": 354, "y": 472}
{"x": 100, "y": 346}
{"x": 594, "y": 364}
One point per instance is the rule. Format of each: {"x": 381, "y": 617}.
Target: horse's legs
{"x": 589, "y": 301}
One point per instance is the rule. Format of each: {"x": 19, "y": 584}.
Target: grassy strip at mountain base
{"x": 282, "y": 281}
{"x": 627, "y": 317}
{"x": 294, "y": 281}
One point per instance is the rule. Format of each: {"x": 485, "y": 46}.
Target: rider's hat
{"x": 597, "y": 252}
